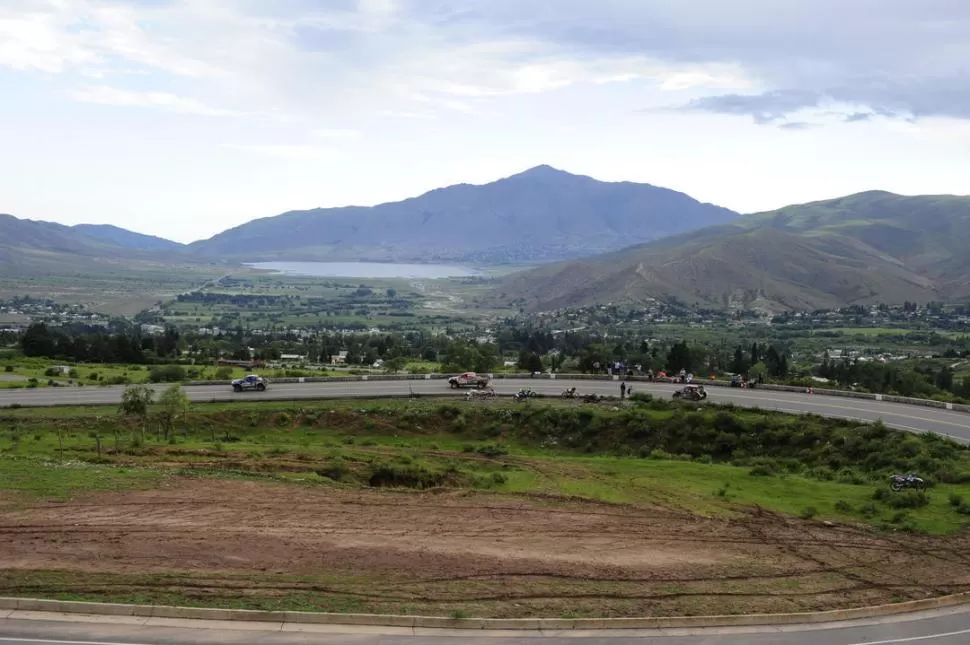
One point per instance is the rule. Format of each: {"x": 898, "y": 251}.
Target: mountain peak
{"x": 544, "y": 170}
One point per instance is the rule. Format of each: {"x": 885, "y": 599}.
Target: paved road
{"x": 908, "y": 417}
{"x": 944, "y": 627}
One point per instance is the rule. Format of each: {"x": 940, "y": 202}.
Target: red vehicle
{"x": 468, "y": 379}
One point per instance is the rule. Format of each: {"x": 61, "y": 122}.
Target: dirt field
{"x": 269, "y": 545}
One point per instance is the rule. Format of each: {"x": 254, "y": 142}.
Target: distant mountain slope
{"x": 866, "y": 248}
{"x": 927, "y": 231}
{"x": 46, "y": 236}
{"x": 127, "y": 239}
{"x": 542, "y": 214}
{"x": 31, "y": 247}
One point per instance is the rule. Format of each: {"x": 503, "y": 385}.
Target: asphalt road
{"x": 945, "y": 627}
{"x": 898, "y": 415}
{"x": 951, "y": 627}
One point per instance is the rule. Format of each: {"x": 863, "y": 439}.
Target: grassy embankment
{"x": 714, "y": 462}
{"x": 711, "y": 461}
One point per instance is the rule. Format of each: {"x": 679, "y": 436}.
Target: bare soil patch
{"x": 231, "y": 543}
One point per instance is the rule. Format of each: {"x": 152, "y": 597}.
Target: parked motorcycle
{"x": 899, "y": 482}
{"x": 525, "y": 393}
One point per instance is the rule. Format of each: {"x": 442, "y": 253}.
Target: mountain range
{"x": 540, "y": 215}
{"x": 596, "y": 242}
{"x": 865, "y": 248}
{"x": 32, "y": 247}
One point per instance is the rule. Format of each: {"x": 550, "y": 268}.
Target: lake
{"x": 366, "y": 269}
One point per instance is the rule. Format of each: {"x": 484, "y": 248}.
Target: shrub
{"x": 869, "y": 510}
{"x": 8, "y": 368}
{"x": 410, "y": 476}
{"x": 843, "y": 506}
{"x": 167, "y": 374}
{"x": 335, "y": 471}
{"x": 908, "y": 499}
{"x": 956, "y": 500}
{"x": 809, "y": 512}
{"x": 850, "y": 476}
{"x": 492, "y": 450}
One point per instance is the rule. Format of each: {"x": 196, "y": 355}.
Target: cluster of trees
{"x": 536, "y": 350}
{"x": 172, "y": 405}
{"x": 97, "y": 347}
{"x": 889, "y": 378}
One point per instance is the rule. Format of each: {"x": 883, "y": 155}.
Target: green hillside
{"x": 866, "y": 248}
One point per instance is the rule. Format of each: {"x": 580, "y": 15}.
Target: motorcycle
{"x": 525, "y": 393}
{"x": 592, "y": 398}
{"x": 899, "y": 482}
{"x": 569, "y": 394}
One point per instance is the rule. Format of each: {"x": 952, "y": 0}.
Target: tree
{"x": 135, "y": 402}
{"x": 485, "y": 357}
{"x": 37, "y": 340}
{"x": 529, "y": 361}
{"x": 174, "y": 403}
{"x": 679, "y": 357}
{"x": 593, "y": 359}
{"x": 740, "y": 364}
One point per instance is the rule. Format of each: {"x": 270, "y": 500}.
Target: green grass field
{"x": 261, "y": 439}
{"x": 16, "y": 373}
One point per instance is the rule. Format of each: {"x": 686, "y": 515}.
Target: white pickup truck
{"x": 469, "y": 379}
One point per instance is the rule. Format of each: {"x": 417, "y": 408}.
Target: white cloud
{"x": 38, "y": 41}
{"x": 413, "y": 94}
{"x": 106, "y": 95}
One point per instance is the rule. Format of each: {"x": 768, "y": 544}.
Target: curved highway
{"x": 942, "y": 627}
{"x": 908, "y": 417}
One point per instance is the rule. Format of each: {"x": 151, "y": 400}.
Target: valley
{"x": 495, "y": 509}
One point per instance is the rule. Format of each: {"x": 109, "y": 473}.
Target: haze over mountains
{"x": 31, "y": 247}
{"x": 540, "y": 215}
{"x": 864, "y": 248}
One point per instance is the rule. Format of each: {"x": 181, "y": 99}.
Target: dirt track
{"x": 491, "y": 555}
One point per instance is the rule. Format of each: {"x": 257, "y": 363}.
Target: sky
{"x": 183, "y": 118}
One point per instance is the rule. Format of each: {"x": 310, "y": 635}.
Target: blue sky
{"x": 182, "y": 118}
